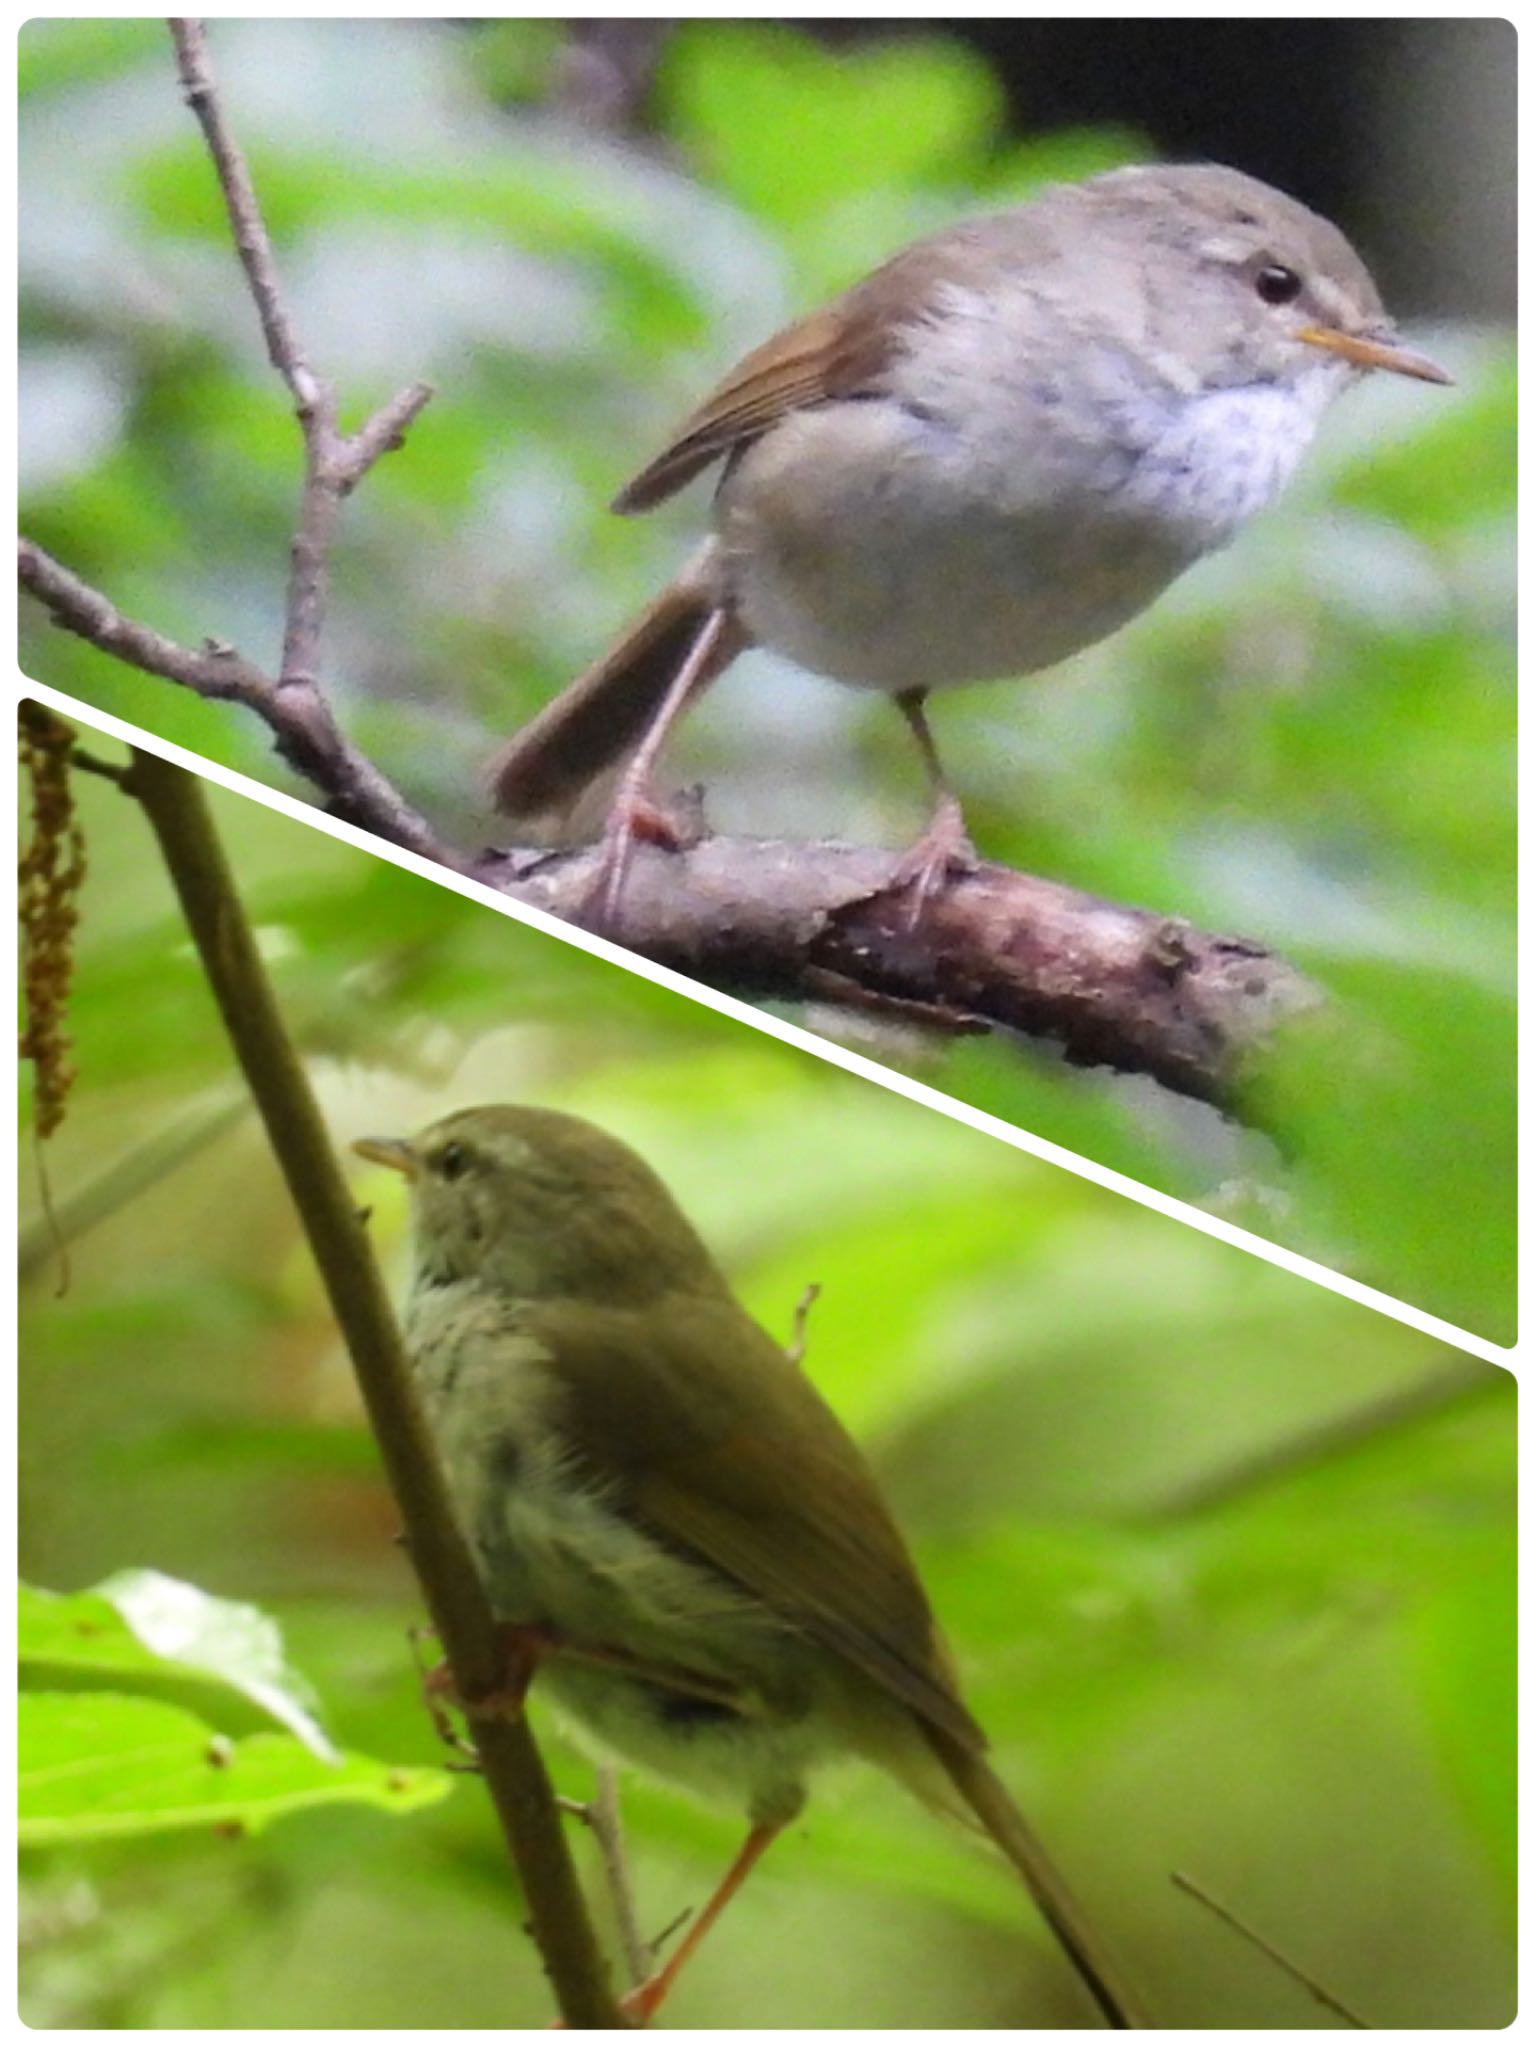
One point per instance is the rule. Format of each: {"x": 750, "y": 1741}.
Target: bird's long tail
{"x": 989, "y": 1799}
{"x": 600, "y": 718}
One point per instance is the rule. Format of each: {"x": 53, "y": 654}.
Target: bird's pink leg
{"x": 642, "y": 2004}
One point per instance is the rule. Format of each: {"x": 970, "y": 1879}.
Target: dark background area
{"x": 1354, "y": 117}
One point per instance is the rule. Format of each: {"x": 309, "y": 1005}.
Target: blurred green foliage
{"x": 1227, "y": 1560}
{"x": 1309, "y": 739}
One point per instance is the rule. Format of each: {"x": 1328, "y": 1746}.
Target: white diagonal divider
{"x": 788, "y": 1034}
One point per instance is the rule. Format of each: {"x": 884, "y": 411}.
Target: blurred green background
{"x": 1309, "y": 740}
{"x": 1227, "y": 1560}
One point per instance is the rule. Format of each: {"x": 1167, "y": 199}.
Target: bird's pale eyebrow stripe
{"x": 1234, "y": 249}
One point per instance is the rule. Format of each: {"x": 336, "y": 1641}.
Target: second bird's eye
{"x": 1277, "y": 284}
{"x": 452, "y": 1160}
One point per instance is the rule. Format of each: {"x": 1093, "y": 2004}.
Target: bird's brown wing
{"x": 817, "y": 358}
{"x": 714, "y": 1440}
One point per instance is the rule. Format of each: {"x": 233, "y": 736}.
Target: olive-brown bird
{"x": 662, "y": 1503}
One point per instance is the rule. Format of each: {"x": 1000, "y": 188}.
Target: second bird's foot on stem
{"x": 524, "y": 1646}
{"x": 641, "y": 2005}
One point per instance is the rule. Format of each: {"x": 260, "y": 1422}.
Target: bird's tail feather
{"x": 992, "y": 1804}
{"x": 602, "y": 716}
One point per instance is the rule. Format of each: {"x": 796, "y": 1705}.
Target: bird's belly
{"x": 756, "y": 1760}
{"x": 908, "y": 578}
{"x": 984, "y": 604}
{"x": 896, "y": 551}
{"x": 558, "y": 1555}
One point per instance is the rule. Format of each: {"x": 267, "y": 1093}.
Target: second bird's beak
{"x": 392, "y": 1152}
{"x": 1377, "y": 352}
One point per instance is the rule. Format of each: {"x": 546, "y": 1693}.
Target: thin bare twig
{"x": 215, "y": 670}
{"x": 794, "y": 1350}
{"x": 129, "y": 1176}
{"x": 1320, "y": 1992}
{"x": 307, "y": 737}
{"x": 92, "y": 764}
{"x": 601, "y": 1816}
{"x": 607, "y": 1825}
{"x": 513, "y": 1770}
{"x": 334, "y": 463}
{"x": 246, "y": 224}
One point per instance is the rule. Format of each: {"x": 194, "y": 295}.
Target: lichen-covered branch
{"x": 813, "y": 921}
{"x": 993, "y": 950}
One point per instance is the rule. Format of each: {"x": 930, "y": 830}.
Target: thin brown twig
{"x": 794, "y": 1350}
{"x": 334, "y": 463}
{"x": 215, "y": 670}
{"x": 601, "y": 1816}
{"x": 307, "y": 736}
{"x": 252, "y": 241}
{"x": 128, "y": 1176}
{"x": 92, "y": 764}
{"x": 1320, "y": 1992}
{"x": 510, "y": 1762}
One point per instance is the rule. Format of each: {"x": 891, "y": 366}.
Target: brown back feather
{"x": 746, "y": 1468}
{"x": 822, "y": 356}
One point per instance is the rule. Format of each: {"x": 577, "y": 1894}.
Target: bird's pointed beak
{"x": 1377, "y": 352}
{"x": 391, "y": 1152}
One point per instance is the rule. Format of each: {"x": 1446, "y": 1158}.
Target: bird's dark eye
{"x": 452, "y": 1160}
{"x": 1277, "y": 284}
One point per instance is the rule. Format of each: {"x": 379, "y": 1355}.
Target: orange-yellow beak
{"x": 391, "y": 1152}
{"x": 1377, "y": 352}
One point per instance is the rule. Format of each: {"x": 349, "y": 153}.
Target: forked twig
{"x": 334, "y": 462}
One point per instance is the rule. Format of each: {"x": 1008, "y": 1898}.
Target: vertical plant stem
{"x": 514, "y": 1771}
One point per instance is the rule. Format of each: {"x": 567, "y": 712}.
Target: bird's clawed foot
{"x": 633, "y": 818}
{"x": 942, "y": 853}
{"x": 524, "y": 1646}
{"x": 641, "y": 2005}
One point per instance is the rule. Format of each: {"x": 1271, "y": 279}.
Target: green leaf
{"x": 60, "y": 55}
{"x": 137, "y": 1623}
{"x": 101, "y": 1766}
{"x": 789, "y": 128}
